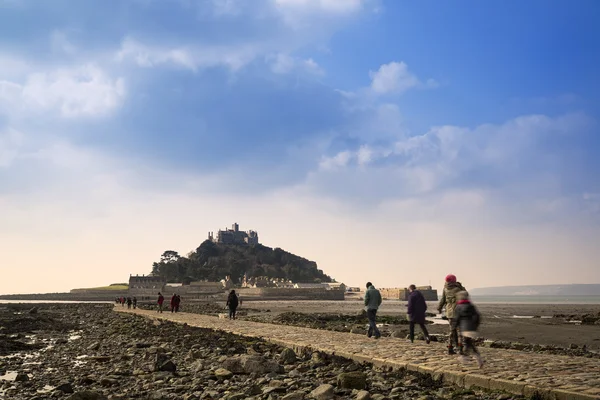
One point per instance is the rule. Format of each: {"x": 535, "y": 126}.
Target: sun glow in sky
{"x": 389, "y": 141}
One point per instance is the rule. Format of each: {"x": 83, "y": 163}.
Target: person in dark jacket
{"x": 467, "y": 319}
{"x": 161, "y": 300}
{"x": 134, "y": 302}
{"x": 448, "y": 301}
{"x": 416, "y": 312}
{"x": 232, "y": 304}
{"x": 372, "y": 303}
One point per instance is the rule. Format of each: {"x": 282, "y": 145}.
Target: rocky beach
{"x": 87, "y": 351}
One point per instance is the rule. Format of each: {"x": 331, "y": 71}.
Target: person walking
{"x": 416, "y": 312}
{"x": 161, "y": 300}
{"x": 173, "y": 302}
{"x": 467, "y": 318}
{"x": 134, "y": 302}
{"x": 448, "y": 300}
{"x": 372, "y": 303}
{"x": 232, "y": 304}
{"x": 129, "y": 302}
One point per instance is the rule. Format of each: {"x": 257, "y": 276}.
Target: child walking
{"x": 467, "y": 319}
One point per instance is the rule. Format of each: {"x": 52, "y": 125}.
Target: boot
{"x": 451, "y": 350}
{"x": 460, "y": 349}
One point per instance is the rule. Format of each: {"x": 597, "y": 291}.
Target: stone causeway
{"x": 554, "y": 377}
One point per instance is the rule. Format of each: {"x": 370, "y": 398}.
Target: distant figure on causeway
{"x": 449, "y": 300}
{"x": 372, "y": 303}
{"x": 416, "y": 312}
{"x": 467, "y": 319}
{"x": 232, "y": 304}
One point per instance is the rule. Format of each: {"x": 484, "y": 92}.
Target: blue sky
{"x": 351, "y": 132}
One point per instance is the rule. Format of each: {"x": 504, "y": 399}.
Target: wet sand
{"x": 498, "y": 319}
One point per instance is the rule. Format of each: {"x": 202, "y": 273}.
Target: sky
{"x": 389, "y": 141}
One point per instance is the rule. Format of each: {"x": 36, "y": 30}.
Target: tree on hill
{"x": 214, "y": 261}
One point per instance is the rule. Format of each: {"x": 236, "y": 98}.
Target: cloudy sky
{"x": 391, "y": 141}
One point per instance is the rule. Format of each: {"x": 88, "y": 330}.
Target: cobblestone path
{"x": 553, "y": 376}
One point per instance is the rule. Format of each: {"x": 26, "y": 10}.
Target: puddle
{"x": 438, "y": 321}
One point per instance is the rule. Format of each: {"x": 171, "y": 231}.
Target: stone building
{"x": 146, "y": 282}
{"x": 234, "y": 236}
{"x": 428, "y": 292}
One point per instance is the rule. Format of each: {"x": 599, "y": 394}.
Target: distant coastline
{"x": 539, "y": 290}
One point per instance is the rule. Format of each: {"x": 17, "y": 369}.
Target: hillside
{"x": 540, "y": 290}
{"x": 214, "y": 261}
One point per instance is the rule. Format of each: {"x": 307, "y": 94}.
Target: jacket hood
{"x": 451, "y": 285}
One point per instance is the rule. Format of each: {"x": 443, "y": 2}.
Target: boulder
{"x": 65, "y": 387}
{"x": 293, "y": 396}
{"x": 259, "y": 365}
{"x": 223, "y": 373}
{"x": 87, "y": 395}
{"x": 21, "y": 377}
{"x": 323, "y": 392}
{"x": 168, "y": 366}
{"x": 352, "y": 380}
{"x": 234, "y": 364}
{"x": 363, "y": 395}
{"x": 288, "y": 356}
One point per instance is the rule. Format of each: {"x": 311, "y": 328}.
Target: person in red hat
{"x": 449, "y": 299}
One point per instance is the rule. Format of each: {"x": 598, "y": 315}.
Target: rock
{"x": 21, "y": 377}
{"x": 223, "y": 373}
{"x": 34, "y": 310}
{"x": 323, "y": 392}
{"x": 352, "y": 380}
{"x": 65, "y": 387}
{"x": 168, "y": 366}
{"x": 253, "y": 390}
{"x": 234, "y": 364}
{"x": 94, "y": 346}
{"x": 294, "y": 373}
{"x": 259, "y": 365}
{"x": 363, "y": 395}
{"x": 288, "y": 356}
{"x": 236, "y": 396}
{"x": 293, "y": 396}
{"x": 573, "y": 346}
{"x": 108, "y": 382}
{"x": 87, "y": 395}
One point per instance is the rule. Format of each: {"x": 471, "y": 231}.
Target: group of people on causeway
{"x": 463, "y": 316}
{"x": 126, "y": 300}
{"x": 175, "y": 302}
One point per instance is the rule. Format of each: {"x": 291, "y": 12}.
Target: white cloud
{"x": 392, "y": 78}
{"x": 329, "y": 6}
{"x": 339, "y": 160}
{"x": 282, "y": 63}
{"x": 192, "y": 58}
{"x": 81, "y": 91}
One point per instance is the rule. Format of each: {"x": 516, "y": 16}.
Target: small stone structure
{"x": 234, "y": 236}
{"x": 428, "y": 292}
{"x": 274, "y": 293}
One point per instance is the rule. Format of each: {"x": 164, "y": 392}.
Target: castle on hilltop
{"x": 234, "y": 236}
